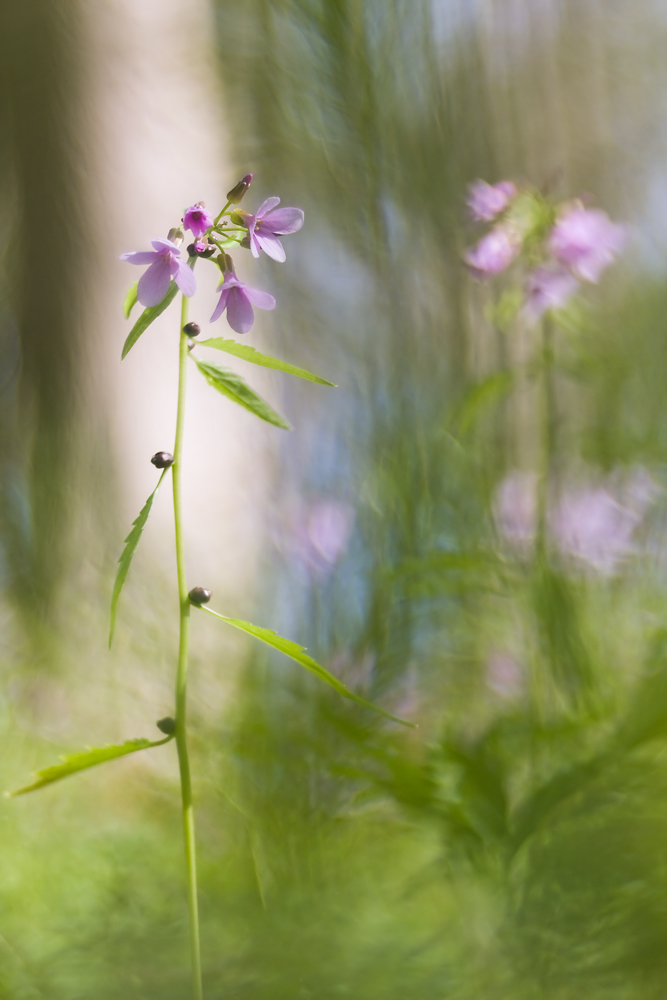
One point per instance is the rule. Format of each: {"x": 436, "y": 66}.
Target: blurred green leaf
{"x": 84, "y": 759}
{"x": 146, "y": 318}
{"x": 250, "y": 354}
{"x": 231, "y": 385}
{"x": 130, "y": 300}
{"x": 131, "y": 543}
{"x": 296, "y": 652}
{"x": 481, "y": 396}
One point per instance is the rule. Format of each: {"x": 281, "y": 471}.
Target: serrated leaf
{"x": 130, "y": 300}
{"x": 231, "y": 385}
{"x": 131, "y": 543}
{"x": 250, "y": 354}
{"x": 297, "y": 653}
{"x": 146, "y": 318}
{"x": 71, "y": 763}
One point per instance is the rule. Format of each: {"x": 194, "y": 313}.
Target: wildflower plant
{"x": 168, "y": 272}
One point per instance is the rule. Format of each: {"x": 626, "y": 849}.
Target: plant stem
{"x": 182, "y": 675}
{"x": 548, "y": 434}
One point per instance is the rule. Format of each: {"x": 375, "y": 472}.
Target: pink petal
{"x": 162, "y": 245}
{"x": 284, "y": 221}
{"x": 140, "y": 257}
{"x": 271, "y": 246}
{"x": 259, "y": 298}
{"x": 254, "y": 243}
{"x": 154, "y": 283}
{"x": 221, "y": 306}
{"x": 266, "y": 206}
{"x": 239, "y": 311}
{"x": 184, "y": 277}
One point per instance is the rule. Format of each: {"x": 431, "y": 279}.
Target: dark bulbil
{"x": 167, "y": 725}
{"x": 192, "y": 329}
{"x": 199, "y": 596}
{"x": 162, "y": 459}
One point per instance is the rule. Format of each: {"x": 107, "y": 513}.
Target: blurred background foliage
{"x": 513, "y": 845}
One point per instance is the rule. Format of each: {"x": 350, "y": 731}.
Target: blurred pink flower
{"x": 548, "y": 288}
{"x": 586, "y": 241}
{"x": 317, "y": 533}
{"x": 594, "y": 525}
{"x": 493, "y": 253}
{"x": 486, "y": 201}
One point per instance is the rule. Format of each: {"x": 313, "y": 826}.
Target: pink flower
{"x": 493, "y": 253}
{"x": 548, "y": 288}
{"x": 165, "y": 264}
{"x": 486, "y": 201}
{"x": 586, "y": 241}
{"x": 197, "y": 219}
{"x": 267, "y": 224}
{"x": 238, "y": 299}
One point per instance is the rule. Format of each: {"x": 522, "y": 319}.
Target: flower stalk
{"x": 182, "y": 672}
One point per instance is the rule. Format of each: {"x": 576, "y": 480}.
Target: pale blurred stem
{"x": 182, "y": 675}
{"x": 547, "y": 424}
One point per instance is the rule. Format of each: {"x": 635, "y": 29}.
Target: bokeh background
{"x": 514, "y": 845}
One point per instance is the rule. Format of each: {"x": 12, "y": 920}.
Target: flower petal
{"x": 266, "y": 206}
{"x": 140, "y": 257}
{"x": 162, "y": 245}
{"x": 184, "y": 277}
{"x": 154, "y": 283}
{"x": 254, "y": 243}
{"x": 259, "y": 298}
{"x": 271, "y": 246}
{"x": 284, "y": 221}
{"x": 221, "y": 306}
{"x": 239, "y": 310}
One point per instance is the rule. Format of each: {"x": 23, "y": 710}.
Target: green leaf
{"x": 250, "y": 354}
{"x": 296, "y": 652}
{"x": 84, "y": 759}
{"x": 146, "y": 318}
{"x": 231, "y": 385}
{"x": 131, "y": 543}
{"x": 130, "y": 300}
{"x": 480, "y": 397}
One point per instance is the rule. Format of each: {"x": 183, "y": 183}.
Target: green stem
{"x": 548, "y": 435}
{"x": 182, "y": 675}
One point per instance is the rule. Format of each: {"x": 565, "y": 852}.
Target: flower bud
{"x": 200, "y": 248}
{"x": 199, "y": 596}
{"x": 238, "y": 217}
{"x": 167, "y": 725}
{"x": 234, "y": 196}
{"x": 162, "y": 459}
{"x": 176, "y": 236}
{"x": 192, "y": 329}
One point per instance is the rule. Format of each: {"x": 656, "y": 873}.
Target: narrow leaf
{"x": 231, "y": 385}
{"x": 131, "y": 543}
{"x": 146, "y": 318}
{"x": 250, "y": 354}
{"x": 130, "y": 300}
{"x": 71, "y": 763}
{"x": 297, "y": 653}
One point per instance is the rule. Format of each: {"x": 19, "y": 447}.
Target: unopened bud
{"x": 167, "y": 725}
{"x": 199, "y": 596}
{"x": 234, "y": 196}
{"x": 176, "y": 236}
{"x": 200, "y": 248}
{"x": 192, "y": 329}
{"x": 162, "y": 459}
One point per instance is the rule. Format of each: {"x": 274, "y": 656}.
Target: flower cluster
{"x": 212, "y": 237}
{"x": 562, "y": 245}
